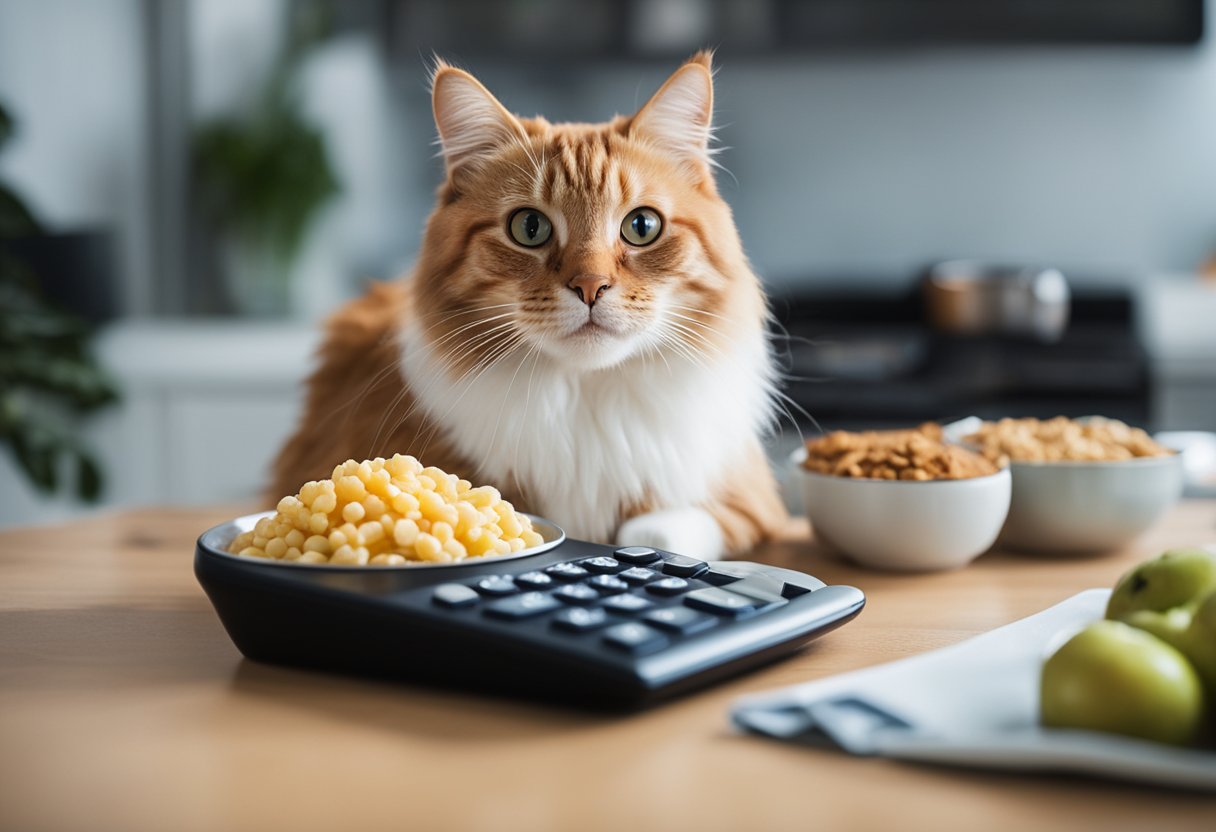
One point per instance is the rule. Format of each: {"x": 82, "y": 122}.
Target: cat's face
{"x": 590, "y": 244}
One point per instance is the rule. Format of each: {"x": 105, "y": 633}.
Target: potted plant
{"x": 264, "y": 177}
{"x": 48, "y": 379}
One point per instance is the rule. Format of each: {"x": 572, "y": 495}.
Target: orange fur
{"x": 359, "y": 403}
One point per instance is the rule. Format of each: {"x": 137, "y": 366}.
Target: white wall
{"x": 72, "y": 74}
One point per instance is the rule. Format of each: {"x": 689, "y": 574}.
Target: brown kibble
{"x": 1061, "y": 439}
{"x": 915, "y": 455}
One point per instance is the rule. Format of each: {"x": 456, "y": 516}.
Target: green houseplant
{"x": 263, "y": 177}
{"x": 48, "y": 379}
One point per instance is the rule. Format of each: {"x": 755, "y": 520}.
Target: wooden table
{"x": 124, "y": 706}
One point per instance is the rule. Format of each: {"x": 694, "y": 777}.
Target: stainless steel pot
{"x": 969, "y": 297}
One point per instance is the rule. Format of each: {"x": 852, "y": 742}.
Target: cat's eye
{"x": 529, "y": 227}
{"x": 641, "y": 226}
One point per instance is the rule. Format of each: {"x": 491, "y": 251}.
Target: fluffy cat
{"x": 582, "y": 330}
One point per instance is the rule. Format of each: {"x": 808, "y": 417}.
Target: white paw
{"x": 685, "y": 531}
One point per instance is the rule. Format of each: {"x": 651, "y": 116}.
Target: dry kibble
{"x": 388, "y": 512}
{"x": 1064, "y": 440}
{"x": 915, "y": 455}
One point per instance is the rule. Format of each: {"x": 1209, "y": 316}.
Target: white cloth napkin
{"x": 972, "y": 704}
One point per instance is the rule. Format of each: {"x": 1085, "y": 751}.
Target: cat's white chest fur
{"x": 583, "y": 446}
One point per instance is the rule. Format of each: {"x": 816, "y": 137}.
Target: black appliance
{"x": 855, "y": 359}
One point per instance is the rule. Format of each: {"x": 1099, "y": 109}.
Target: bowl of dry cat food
{"x": 385, "y": 514}
{"x": 1080, "y": 486}
{"x": 902, "y": 500}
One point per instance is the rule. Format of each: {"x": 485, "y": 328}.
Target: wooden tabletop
{"x": 123, "y": 705}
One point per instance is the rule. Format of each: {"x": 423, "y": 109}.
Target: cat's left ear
{"x": 472, "y": 124}
{"x": 679, "y": 117}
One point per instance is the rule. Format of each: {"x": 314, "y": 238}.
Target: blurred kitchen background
{"x": 188, "y": 186}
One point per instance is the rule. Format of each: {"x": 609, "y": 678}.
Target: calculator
{"x": 573, "y": 622}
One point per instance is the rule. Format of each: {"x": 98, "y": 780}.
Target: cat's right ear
{"x": 472, "y": 124}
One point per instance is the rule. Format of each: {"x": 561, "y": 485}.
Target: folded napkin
{"x": 972, "y": 704}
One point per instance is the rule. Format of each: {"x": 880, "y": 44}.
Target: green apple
{"x": 1175, "y": 578}
{"x": 1115, "y": 678}
{"x": 1198, "y": 643}
{"x": 1170, "y": 626}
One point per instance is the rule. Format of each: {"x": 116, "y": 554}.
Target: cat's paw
{"x": 686, "y": 531}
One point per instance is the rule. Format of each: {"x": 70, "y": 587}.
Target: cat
{"x": 582, "y": 330}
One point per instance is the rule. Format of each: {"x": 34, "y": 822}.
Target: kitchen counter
{"x": 123, "y": 705}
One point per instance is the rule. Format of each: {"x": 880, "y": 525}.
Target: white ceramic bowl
{"x": 902, "y": 525}
{"x": 1088, "y": 507}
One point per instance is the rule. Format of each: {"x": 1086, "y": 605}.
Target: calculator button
{"x": 454, "y": 595}
{"x": 637, "y": 554}
{"x": 638, "y": 575}
{"x": 680, "y": 620}
{"x": 607, "y": 584}
{"x": 602, "y": 565}
{"x": 534, "y": 580}
{"x": 635, "y": 638}
{"x": 669, "y": 586}
{"x": 717, "y": 578}
{"x": 497, "y": 585}
{"x": 627, "y": 604}
{"x": 577, "y": 594}
{"x": 720, "y": 601}
{"x": 580, "y": 619}
{"x": 683, "y": 567}
{"x": 523, "y": 606}
{"x": 566, "y": 571}
{"x": 761, "y": 590}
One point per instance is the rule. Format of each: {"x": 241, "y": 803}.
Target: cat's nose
{"x": 589, "y": 287}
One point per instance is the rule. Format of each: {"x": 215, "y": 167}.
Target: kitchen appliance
{"x": 855, "y": 358}
{"x": 574, "y": 622}
{"x": 967, "y": 297}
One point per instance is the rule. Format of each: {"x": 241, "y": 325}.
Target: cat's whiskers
{"x": 703, "y": 330}
{"x": 524, "y": 421}
{"x": 780, "y": 398}
{"x": 700, "y": 311}
{"x": 696, "y": 340}
{"x": 496, "y": 355}
{"x": 678, "y": 345}
{"x": 477, "y": 342}
{"x": 456, "y": 355}
{"x": 468, "y": 326}
{"x": 506, "y": 397}
{"x": 463, "y": 312}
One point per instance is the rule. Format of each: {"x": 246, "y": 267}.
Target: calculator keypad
{"x": 497, "y": 585}
{"x": 523, "y": 606}
{"x": 581, "y": 619}
{"x": 602, "y": 565}
{"x": 535, "y": 580}
{"x": 566, "y": 571}
{"x": 608, "y": 584}
{"x": 637, "y": 601}
{"x": 638, "y": 575}
{"x": 627, "y": 604}
{"x": 577, "y": 594}
{"x": 636, "y": 554}
{"x": 684, "y": 567}
{"x": 634, "y": 638}
{"x": 682, "y": 620}
{"x": 669, "y": 586}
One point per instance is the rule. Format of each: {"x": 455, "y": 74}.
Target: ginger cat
{"x": 582, "y": 330}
